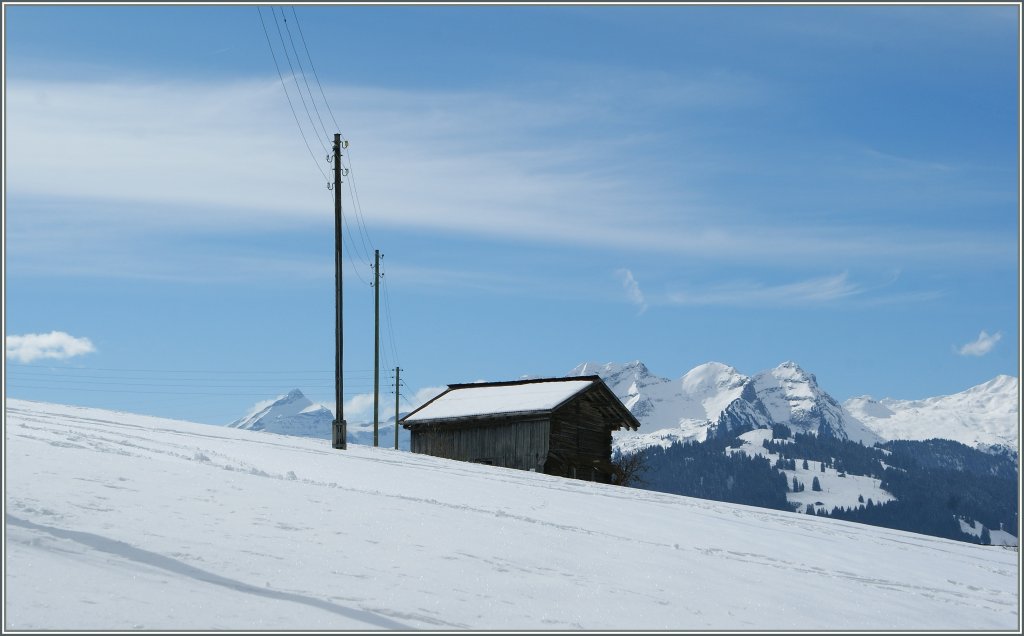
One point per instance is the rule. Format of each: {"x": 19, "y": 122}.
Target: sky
{"x": 549, "y": 185}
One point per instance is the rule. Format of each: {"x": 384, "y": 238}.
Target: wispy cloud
{"x": 982, "y": 345}
{"x": 142, "y": 148}
{"x": 632, "y": 289}
{"x": 818, "y": 291}
{"x": 55, "y": 345}
{"x": 811, "y": 291}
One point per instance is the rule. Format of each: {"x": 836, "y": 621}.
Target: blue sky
{"x": 833, "y": 185}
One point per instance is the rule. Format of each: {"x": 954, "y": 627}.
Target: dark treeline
{"x": 944, "y": 453}
{"x": 841, "y": 454}
{"x": 704, "y": 470}
{"x": 935, "y": 482}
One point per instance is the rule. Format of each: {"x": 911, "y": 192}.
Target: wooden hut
{"x": 558, "y": 426}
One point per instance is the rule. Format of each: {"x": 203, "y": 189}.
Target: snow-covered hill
{"x": 296, "y": 414}
{"x": 981, "y": 416}
{"x": 117, "y": 521}
{"x": 714, "y": 397}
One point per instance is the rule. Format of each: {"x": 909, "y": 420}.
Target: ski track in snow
{"x": 280, "y": 525}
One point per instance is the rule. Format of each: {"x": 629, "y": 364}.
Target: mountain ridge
{"x": 713, "y": 398}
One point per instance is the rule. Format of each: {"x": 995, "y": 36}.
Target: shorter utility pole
{"x": 398, "y": 384}
{"x": 376, "y": 342}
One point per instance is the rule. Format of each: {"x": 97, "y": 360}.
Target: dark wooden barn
{"x": 558, "y": 426}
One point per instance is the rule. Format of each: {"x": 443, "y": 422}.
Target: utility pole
{"x": 339, "y": 432}
{"x": 376, "y": 341}
{"x": 398, "y": 384}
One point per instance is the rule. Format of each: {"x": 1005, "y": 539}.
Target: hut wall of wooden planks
{"x": 559, "y": 426}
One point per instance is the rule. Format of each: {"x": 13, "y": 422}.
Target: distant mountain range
{"x": 714, "y": 399}
{"x": 983, "y": 416}
{"x": 295, "y": 414}
{"x": 816, "y": 455}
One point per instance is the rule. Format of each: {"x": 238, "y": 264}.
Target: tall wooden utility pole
{"x": 398, "y": 384}
{"x": 376, "y": 341}
{"x": 339, "y": 432}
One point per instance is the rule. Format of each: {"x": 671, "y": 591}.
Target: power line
{"x": 364, "y": 234}
{"x": 287, "y": 96}
{"x": 206, "y": 371}
{"x": 294, "y": 78}
{"x": 243, "y": 382}
{"x": 313, "y": 68}
{"x": 265, "y": 390}
{"x": 360, "y": 220}
{"x": 348, "y": 252}
{"x": 387, "y": 315}
{"x": 177, "y": 377}
{"x": 303, "y": 72}
{"x": 216, "y": 393}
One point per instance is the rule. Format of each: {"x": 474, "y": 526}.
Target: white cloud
{"x": 360, "y": 407}
{"x": 632, "y": 289}
{"x": 425, "y": 160}
{"x": 811, "y": 291}
{"x": 55, "y": 345}
{"x": 426, "y": 393}
{"x": 982, "y": 345}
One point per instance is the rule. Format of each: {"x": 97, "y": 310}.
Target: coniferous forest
{"x": 704, "y": 470}
{"x": 935, "y": 482}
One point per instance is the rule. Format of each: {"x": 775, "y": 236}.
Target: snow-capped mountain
{"x": 792, "y": 397}
{"x": 714, "y": 399}
{"x": 296, "y": 414}
{"x": 670, "y": 410}
{"x": 983, "y": 416}
{"x": 290, "y": 414}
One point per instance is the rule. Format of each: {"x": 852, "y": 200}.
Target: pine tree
{"x": 860, "y": 498}
{"x": 986, "y": 537}
{"x": 816, "y": 485}
{"x": 796, "y": 484}
{"x": 810, "y": 509}
{"x": 805, "y": 464}
{"x": 822, "y": 466}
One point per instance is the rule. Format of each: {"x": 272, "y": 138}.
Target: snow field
{"x": 120, "y": 521}
{"x": 835, "y": 490}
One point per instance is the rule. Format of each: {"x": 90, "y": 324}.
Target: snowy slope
{"x": 120, "y": 521}
{"x": 981, "y": 416}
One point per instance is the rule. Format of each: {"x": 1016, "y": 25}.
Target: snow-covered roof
{"x": 499, "y": 398}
